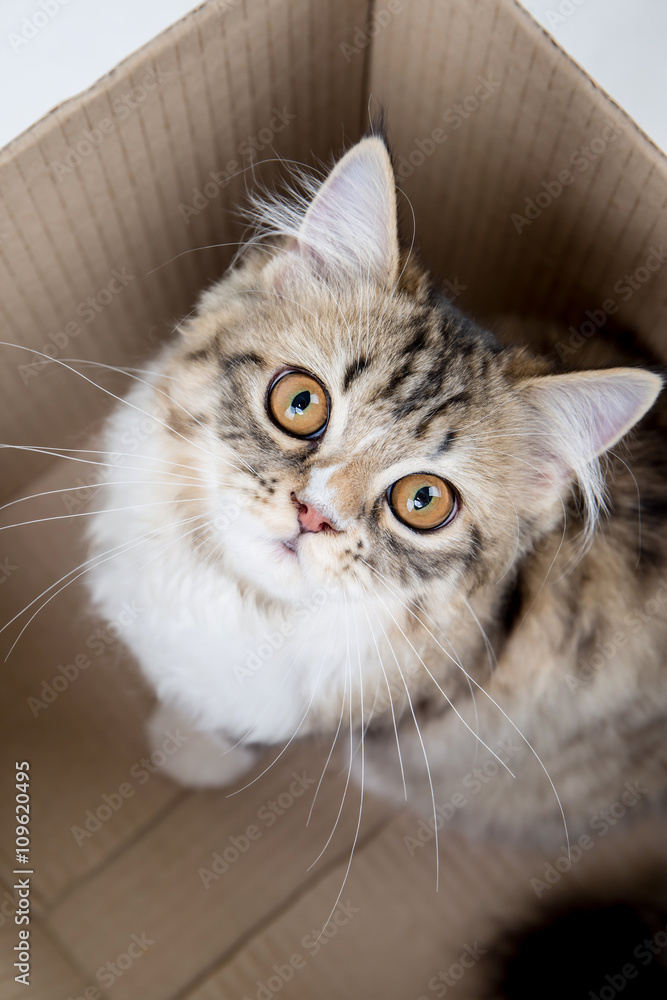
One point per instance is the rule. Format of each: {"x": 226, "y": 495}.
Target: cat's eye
{"x": 422, "y": 501}
{"x": 298, "y": 404}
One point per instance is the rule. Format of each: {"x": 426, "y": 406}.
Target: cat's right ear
{"x": 349, "y": 234}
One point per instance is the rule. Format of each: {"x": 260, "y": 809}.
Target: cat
{"x": 360, "y": 509}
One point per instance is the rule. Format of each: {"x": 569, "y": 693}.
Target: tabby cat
{"x": 359, "y": 509}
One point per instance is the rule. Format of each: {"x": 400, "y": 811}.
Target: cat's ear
{"x": 349, "y": 234}
{"x": 578, "y": 416}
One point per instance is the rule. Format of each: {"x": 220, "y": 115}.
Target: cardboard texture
{"x": 531, "y": 192}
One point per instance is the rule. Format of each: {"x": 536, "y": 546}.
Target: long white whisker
{"x": 445, "y": 696}
{"x": 493, "y": 662}
{"x": 100, "y": 364}
{"x": 60, "y": 453}
{"x": 340, "y": 722}
{"x": 119, "y": 399}
{"x": 423, "y": 747}
{"x": 113, "y": 549}
{"x": 174, "y": 541}
{"x": 455, "y": 659}
{"x": 89, "y": 513}
{"x": 292, "y": 737}
{"x": 361, "y": 794}
{"x": 391, "y": 705}
{"x": 289, "y": 670}
{"x": 349, "y": 770}
{"x": 125, "y": 546}
{"x": 512, "y": 724}
{"x": 93, "y": 486}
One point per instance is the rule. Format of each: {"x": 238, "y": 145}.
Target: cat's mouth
{"x": 290, "y": 548}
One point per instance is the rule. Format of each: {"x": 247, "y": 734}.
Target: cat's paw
{"x": 200, "y": 760}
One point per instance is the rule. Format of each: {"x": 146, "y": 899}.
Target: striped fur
{"x": 483, "y": 624}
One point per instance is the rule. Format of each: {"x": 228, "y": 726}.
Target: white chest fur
{"x": 228, "y": 666}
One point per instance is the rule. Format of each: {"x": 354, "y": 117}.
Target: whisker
{"x": 292, "y": 737}
{"x": 423, "y": 747}
{"x": 115, "y": 550}
{"x": 119, "y": 399}
{"x": 351, "y": 730}
{"x": 100, "y": 364}
{"x": 391, "y": 705}
{"x": 445, "y": 696}
{"x": 639, "y": 507}
{"x": 295, "y": 658}
{"x": 210, "y": 246}
{"x": 60, "y": 453}
{"x": 512, "y": 724}
{"x": 361, "y": 794}
{"x": 456, "y": 660}
{"x": 414, "y": 232}
{"x": 174, "y": 541}
{"x": 89, "y": 513}
{"x": 340, "y": 722}
{"x": 493, "y": 661}
{"x": 88, "y": 486}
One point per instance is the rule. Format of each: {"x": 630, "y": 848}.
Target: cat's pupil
{"x": 422, "y": 498}
{"x": 301, "y": 401}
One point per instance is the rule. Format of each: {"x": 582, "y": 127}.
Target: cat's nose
{"x": 310, "y": 518}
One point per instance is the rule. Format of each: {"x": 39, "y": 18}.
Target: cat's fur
{"x": 473, "y": 635}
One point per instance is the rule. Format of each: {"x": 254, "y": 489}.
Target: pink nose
{"x": 310, "y": 518}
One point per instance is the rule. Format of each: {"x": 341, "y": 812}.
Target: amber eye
{"x": 298, "y": 404}
{"x": 422, "y": 501}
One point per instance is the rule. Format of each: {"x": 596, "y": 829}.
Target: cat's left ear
{"x": 578, "y": 416}
{"x": 349, "y": 234}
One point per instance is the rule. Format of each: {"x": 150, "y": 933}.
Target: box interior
{"x": 118, "y": 208}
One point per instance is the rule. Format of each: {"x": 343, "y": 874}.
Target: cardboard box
{"x": 531, "y": 192}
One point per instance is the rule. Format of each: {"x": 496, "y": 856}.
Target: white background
{"x": 621, "y": 43}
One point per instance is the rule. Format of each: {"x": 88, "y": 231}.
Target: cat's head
{"x": 371, "y": 436}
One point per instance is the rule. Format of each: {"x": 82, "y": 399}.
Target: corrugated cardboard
{"x": 117, "y": 208}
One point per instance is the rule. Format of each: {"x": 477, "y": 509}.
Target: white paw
{"x": 200, "y": 760}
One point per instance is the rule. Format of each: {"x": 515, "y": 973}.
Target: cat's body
{"x": 287, "y": 586}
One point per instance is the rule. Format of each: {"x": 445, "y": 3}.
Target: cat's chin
{"x": 271, "y": 566}
{"x": 287, "y": 550}
{"x": 282, "y": 571}
{"x": 287, "y": 569}
{"x": 290, "y": 575}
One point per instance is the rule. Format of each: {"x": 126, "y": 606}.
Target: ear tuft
{"x": 574, "y": 419}
{"x": 349, "y": 232}
{"x": 583, "y": 414}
